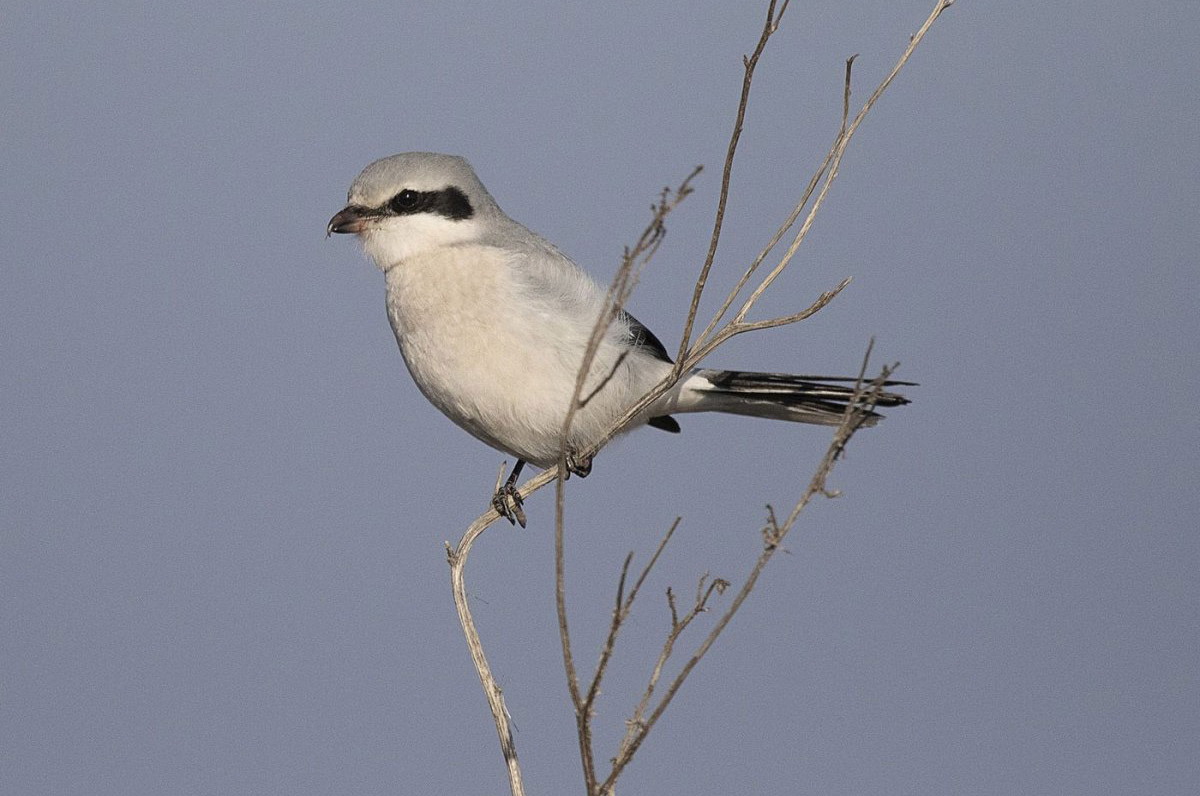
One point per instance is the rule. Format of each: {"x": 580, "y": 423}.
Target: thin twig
{"x": 621, "y": 612}
{"x": 734, "y": 328}
{"x": 624, "y": 604}
{"x": 640, "y": 725}
{"x": 632, "y": 264}
{"x": 787, "y": 224}
{"x": 830, "y": 169}
{"x": 690, "y": 353}
{"x": 636, "y": 725}
{"x": 694, "y": 358}
{"x": 491, "y": 689}
{"x": 839, "y": 149}
{"x": 750, "y": 63}
{"x": 457, "y": 558}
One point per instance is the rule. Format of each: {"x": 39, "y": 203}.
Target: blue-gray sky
{"x": 223, "y": 502}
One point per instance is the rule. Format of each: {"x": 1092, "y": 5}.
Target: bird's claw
{"x": 508, "y": 504}
{"x": 579, "y": 465}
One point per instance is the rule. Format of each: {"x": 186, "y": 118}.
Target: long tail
{"x": 801, "y": 399}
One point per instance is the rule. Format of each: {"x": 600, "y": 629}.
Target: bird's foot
{"x": 578, "y": 465}
{"x": 508, "y": 504}
{"x": 507, "y": 500}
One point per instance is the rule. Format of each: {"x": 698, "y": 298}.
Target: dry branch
{"x": 691, "y": 352}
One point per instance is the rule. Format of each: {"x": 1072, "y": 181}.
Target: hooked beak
{"x": 351, "y": 219}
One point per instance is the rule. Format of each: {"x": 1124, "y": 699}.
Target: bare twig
{"x": 738, "y": 324}
{"x": 491, "y": 689}
{"x": 789, "y": 222}
{"x": 457, "y": 558}
{"x": 632, "y": 264}
{"x": 694, "y": 358}
{"x": 690, "y": 354}
{"x": 839, "y": 148}
{"x": 708, "y": 340}
{"x": 639, "y": 726}
{"x": 734, "y": 328}
{"x": 770, "y": 26}
{"x": 621, "y": 612}
{"x": 624, "y": 604}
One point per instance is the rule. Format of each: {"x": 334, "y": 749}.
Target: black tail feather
{"x": 805, "y": 399}
{"x": 784, "y": 385}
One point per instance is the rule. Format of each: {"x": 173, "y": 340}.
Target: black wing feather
{"x": 644, "y": 339}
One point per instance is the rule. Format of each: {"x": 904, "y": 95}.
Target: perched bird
{"x": 493, "y": 321}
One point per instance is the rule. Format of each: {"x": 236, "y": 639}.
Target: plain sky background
{"x": 223, "y": 501}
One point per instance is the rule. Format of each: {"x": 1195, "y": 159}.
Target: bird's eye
{"x": 404, "y": 201}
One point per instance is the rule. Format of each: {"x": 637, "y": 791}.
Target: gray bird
{"x": 492, "y": 322}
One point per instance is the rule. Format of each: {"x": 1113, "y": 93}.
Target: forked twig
{"x": 457, "y": 558}
{"x": 639, "y": 726}
{"x": 624, "y": 605}
{"x": 690, "y": 354}
{"x": 632, "y": 264}
{"x": 749, "y": 63}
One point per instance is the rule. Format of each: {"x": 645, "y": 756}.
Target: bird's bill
{"x": 350, "y": 219}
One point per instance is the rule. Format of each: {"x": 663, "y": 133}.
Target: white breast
{"x": 499, "y": 356}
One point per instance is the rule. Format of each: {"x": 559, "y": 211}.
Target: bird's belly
{"x": 490, "y": 386}
{"x": 503, "y": 366}
{"x": 484, "y": 365}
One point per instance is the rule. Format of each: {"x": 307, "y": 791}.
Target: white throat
{"x": 394, "y": 240}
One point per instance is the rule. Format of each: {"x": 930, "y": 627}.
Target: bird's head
{"x": 414, "y": 203}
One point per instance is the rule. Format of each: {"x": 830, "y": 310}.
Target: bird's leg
{"x": 507, "y": 501}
